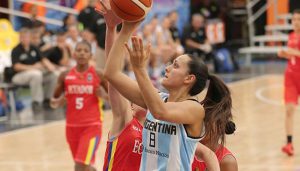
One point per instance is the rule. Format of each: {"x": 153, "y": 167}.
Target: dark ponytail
{"x": 217, "y": 105}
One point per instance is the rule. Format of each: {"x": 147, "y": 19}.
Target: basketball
{"x": 131, "y": 10}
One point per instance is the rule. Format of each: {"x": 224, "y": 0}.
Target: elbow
{"x": 106, "y": 75}
{"x": 16, "y": 67}
{"x": 109, "y": 76}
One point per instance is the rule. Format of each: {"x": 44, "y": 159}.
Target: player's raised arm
{"x": 118, "y": 103}
{"x": 113, "y": 68}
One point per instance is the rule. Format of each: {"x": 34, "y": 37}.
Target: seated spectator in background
{"x": 37, "y": 41}
{"x": 88, "y": 15}
{"x": 207, "y": 8}
{"x": 98, "y": 27}
{"x": 96, "y": 24}
{"x": 58, "y": 56}
{"x": 173, "y": 17}
{"x": 68, "y": 21}
{"x": 73, "y": 36}
{"x": 29, "y": 70}
{"x": 165, "y": 41}
{"x": 194, "y": 38}
{"x": 89, "y": 36}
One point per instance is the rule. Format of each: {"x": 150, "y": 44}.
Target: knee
{"x": 290, "y": 109}
{"x": 36, "y": 75}
{"x": 54, "y": 76}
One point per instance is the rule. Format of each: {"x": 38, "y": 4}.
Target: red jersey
{"x": 123, "y": 153}
{"x": 221, "y": 152}
{"x": 82, "y": 102}
{"x": 294, "y": 42}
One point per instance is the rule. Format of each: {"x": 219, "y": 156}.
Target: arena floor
{"x": 258, "y": 114}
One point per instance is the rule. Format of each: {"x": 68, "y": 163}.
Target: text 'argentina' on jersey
{"x": 160, "y": 127}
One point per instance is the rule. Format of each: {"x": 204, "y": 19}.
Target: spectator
{"x": 59, "y": 55}
{"x": 96, "y": 24}
{"x": 99, "y": 29}
{"x": 73, "y": 36}
{"x": 88, "y": 14}
{"x": 37, "y": 41}
{"x": 208, "y": 8}
{"x": 89, "y": 36}
{"x": 68, "y": 21}
{"x": 173, "y": 16}
{"x": 165, "y": 41}
{"x": 29, "y": 70}
{"x": 194, "y": 38}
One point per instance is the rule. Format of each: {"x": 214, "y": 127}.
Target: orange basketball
{"x": 131, "y": 10}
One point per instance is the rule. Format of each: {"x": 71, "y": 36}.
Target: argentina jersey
{"x": 166, "y": 145}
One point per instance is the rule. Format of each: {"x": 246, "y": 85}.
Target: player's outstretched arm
{"x": 120, "y": 106}
{"x": 113, "y": 68}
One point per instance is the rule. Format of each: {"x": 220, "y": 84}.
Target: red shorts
{"x": 291, "y": 87}
{"x": 83, "y": 142}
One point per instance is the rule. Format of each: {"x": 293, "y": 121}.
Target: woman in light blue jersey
{"x": 174, "y": 122}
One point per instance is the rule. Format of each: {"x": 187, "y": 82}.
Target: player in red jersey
{"x": 124, "y": 145}
{"x": 291, "y": 80}
{"x": 81, "y": 86}
{"x": 226, "y": 159}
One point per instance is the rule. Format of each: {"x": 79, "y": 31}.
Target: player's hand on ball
{"x": 111, "y": 19}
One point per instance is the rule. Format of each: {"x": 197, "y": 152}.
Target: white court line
{"x": 261, "y": 97}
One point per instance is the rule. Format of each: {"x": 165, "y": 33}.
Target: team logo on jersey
{"x": 89, "y": 77}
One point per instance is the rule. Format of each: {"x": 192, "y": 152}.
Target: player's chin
{"x": 165, "y": 82}
{"x": 82, "y": 61}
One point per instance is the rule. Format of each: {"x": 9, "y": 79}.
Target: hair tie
{"x": 209, "y": 77}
